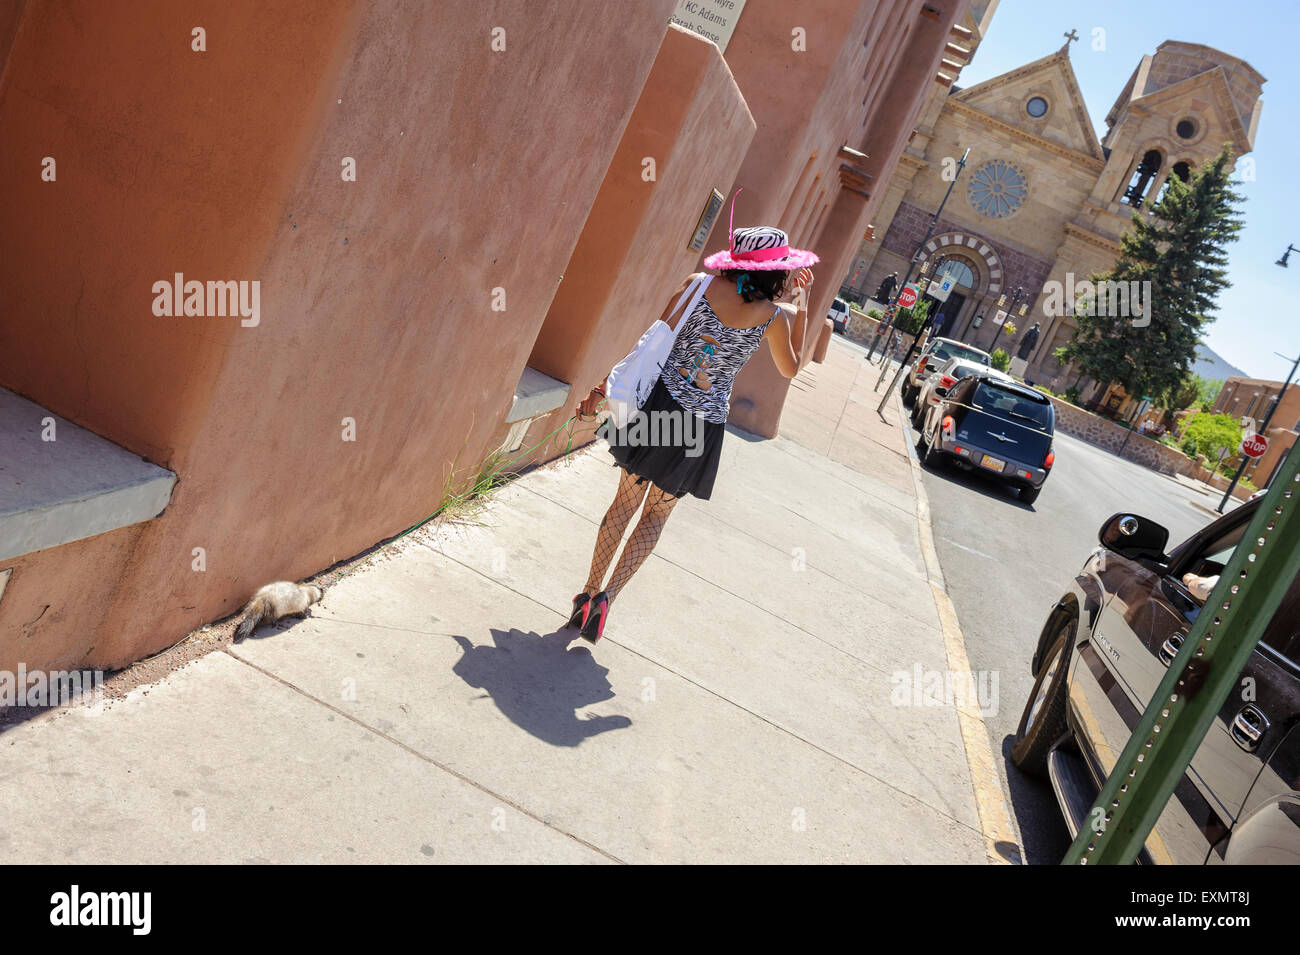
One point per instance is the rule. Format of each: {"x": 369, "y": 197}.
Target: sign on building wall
{"x": 705, "y": 224}
{"x": 712, "y": 19}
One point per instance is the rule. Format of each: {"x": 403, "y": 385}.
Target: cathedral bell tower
{"x": 1180, "y": 106}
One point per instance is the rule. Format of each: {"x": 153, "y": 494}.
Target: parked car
{"x": 937, "y": 385}
{"x": 937, "y": 351}
{"x": 997, "y": 427}
{"x": 1099, "y": 659}
{"x": 839, "y": 314}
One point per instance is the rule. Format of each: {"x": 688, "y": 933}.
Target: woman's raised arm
{"x": 785, "y": 337}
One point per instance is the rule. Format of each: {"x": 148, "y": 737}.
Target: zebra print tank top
{"x": 705, "y": 359}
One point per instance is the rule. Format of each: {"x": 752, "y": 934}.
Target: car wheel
{"x": 918, "y": 416}
{"x": 930, "y": 458}
{"x": 1029, "y": 494}
{"x": 909, "y": 396}
{"x": 1043, "y": 721}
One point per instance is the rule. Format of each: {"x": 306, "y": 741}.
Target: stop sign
{"x": 907, "y": 297}
{"x": 1254, "y": 446}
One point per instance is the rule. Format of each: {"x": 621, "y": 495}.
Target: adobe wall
{"x": 692, "y": 121}
{"x": 793, "y": 174}
{"x": 167, "y": 160}
{"x": 474, "y": 173}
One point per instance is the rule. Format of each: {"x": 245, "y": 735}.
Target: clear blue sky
{"x": 1259, "y": 314}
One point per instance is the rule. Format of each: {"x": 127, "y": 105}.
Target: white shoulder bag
{"x": 632, "y": 379}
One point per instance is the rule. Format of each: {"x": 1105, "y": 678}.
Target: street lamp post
{"x": 920, "y": 254}
{"x": 929, "y": 268}
{"x": 1263, "y": 429}
{"x": 1263, "y": 425}
{"x": 1011, "y": 310}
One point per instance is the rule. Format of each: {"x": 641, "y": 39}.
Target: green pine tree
{"x": 1180, "y": 250}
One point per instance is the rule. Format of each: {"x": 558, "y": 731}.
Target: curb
{"x": 1001, "y": 841}
{"x": 1208, "y": 510}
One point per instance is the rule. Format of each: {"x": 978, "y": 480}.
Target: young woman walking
{"x": 724, "y": 329}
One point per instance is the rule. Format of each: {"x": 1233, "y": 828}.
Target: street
{"x": 1006, "y": 563}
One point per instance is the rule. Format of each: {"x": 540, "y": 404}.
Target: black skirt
{"x": 668, "y": 445}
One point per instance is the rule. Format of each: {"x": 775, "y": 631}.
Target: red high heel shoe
{"x": 594, "y": 626}
{"x": 581, "y": 607}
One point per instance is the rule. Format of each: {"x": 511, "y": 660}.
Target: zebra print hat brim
{"x": 763, "y": 248}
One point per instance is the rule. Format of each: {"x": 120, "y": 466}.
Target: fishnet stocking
{"x": 658, "y": 505}
{"x": 626, "y": 501}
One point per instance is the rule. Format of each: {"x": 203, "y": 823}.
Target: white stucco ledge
{"x": 71, "y": 488}
{"x": 536, "y": 394}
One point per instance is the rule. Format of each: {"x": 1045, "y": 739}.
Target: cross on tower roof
{"x": 1070, "y": 37}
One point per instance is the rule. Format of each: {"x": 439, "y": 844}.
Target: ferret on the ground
{"x": 274, "y": 601}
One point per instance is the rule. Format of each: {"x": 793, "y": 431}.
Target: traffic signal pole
{"x": 911, "y": 267}
{"x": 1199, "y": 681}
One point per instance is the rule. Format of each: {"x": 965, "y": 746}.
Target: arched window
{"x": 1145, "y": 172}
{"x": 1180, "y": 169}
{"x": 960, "y": 273}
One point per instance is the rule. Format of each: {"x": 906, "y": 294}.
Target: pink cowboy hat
{"x": 764, "y": 248}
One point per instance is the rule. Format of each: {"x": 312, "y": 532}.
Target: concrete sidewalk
{"x": 740, "y": 708}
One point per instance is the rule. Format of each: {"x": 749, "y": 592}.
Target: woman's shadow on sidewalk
{"x": 539, "y": 685}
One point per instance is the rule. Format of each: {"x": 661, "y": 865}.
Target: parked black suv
{"x": 998, "y": 427}
{"x": 1100, "y": 657}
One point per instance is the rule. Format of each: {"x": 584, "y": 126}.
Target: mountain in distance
{"x": 1209, "y": 365}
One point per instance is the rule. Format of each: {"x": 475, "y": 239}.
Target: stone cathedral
{"x": 1041, "y": 199}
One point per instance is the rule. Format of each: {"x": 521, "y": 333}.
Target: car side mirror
{"x": 1134, "y": 537}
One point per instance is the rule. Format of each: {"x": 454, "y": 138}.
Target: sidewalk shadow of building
{"x": 539, "y": 685}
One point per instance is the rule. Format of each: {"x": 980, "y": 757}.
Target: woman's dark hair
{"x": 760, "y": 283}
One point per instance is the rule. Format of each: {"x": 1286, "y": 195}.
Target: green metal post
{"x": 1199, "y": 680}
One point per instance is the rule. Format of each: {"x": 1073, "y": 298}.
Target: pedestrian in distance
{"x": 722, "y": 331}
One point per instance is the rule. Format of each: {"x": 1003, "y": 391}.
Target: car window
{"x": 961, "y": 391}
{"x": 972, "y": 354}
{"x": 1283, "y": 631}
{"x": 1213, "y": 555}
{"x": 958, "y": 368}
{"x": 945, "y": 350}
{"x": 989, "y": 396}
